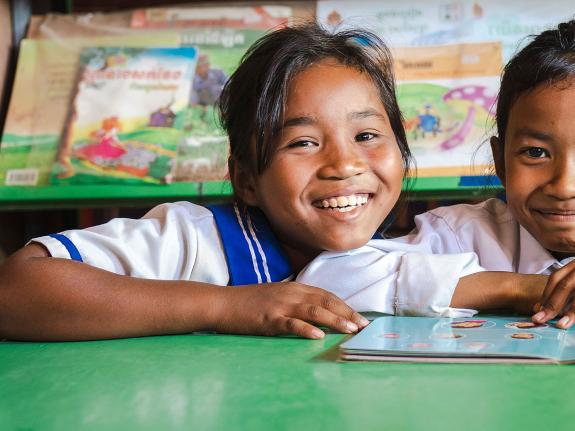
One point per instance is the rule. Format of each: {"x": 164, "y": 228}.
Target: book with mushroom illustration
{"x": 448, "y": 58}
{"x": 481, "y": 339}
{"x": 447, "y": 95}
{"x": 122, "y": 126}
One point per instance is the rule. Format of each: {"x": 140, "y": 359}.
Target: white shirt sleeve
{"x": 177, "y": 241}
{"x": 393, "y": 278}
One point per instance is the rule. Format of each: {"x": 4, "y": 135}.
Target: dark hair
{"x": 253, "y": 100}
{"x": 548, "y": 59}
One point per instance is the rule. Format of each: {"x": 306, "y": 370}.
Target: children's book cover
{"x": 203, "y": 150}
{"x": 449, "y": 56}
{"x": 123, "y": 122}
{"x": 447, "y": 95}
{"x": 40, "y": 101}
{"x": 480, "y": 339}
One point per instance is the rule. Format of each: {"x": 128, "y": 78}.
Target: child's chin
{"x": 348, "y": 245}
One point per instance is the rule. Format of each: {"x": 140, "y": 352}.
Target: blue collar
{"x": 253, "y": 252}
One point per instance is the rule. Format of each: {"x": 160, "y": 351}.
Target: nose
{"x": 342, "y": 159}
{"x": 562, "y": 183}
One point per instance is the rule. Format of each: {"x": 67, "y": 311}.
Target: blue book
{"x": 479, "y": 340}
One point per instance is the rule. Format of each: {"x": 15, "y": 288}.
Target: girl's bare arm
{"x": 45, "y": 298}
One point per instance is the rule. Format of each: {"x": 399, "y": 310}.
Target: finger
{"x": 554, "y": 279}
{"x": 567, "y": 320}
{"x": 336, "y": 305}
{"x": 559, "y": 296}
{"x": 291, "y": 325}
{"x": 541, "y": 315}
{"x": 323, "y": 317}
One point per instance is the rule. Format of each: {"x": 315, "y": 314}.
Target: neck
{"x": 297, "y": 258}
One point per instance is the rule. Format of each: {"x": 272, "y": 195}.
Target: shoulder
{"x": 492, "y": 211}
{"x": 176, "y": 210}
{"x": 166, "y": 221}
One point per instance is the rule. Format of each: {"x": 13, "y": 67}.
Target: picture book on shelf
{"x": 203, "y": 150}
{"x": 122, "y": 126}
{"x": 471, "y": 340}
{"x": 448, "y": 58}
{"x": 40, "y": 101}
{"x": 261, "y": 16}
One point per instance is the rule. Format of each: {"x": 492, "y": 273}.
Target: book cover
{"x": 203, "y": 150}
{"x": 123, "y": 124}
{"x": 449, "y": 56}
{"x": 479, "y": 339}
{"x": 40, "y": 101}
{"x": 261, "y": 16}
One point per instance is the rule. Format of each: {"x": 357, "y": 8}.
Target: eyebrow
{"x": 527, "y": 132}
{"x": 365, "y": 114}
{"x": 298, "y": 121}
{"x": 356, "y": 115}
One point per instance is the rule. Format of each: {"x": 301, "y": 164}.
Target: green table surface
{"x": 73, "y": 196}
{"x": 221, "y": 382}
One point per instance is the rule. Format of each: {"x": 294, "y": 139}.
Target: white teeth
{"x": 341, "y": 201}
{"x": 344, "y": 203}
{"x": 344, "y": 209}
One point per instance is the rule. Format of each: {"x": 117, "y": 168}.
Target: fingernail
{"x": 363, "y": 321}
{"x": 564, "y": 321}
{"x": 317, "y": 333}
{"x": 352, "y": 327}
{"x": 539, "y": 316}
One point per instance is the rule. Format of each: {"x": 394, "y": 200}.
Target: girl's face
{"x": 337, "y": 170}
{"x": 538, "y": 169}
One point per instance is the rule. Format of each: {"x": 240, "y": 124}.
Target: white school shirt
{"x": 176, "y": 241}
{"x": 487, "y": 229}
{"x": 485, "y": 234}
{"x": 180, "y": 241}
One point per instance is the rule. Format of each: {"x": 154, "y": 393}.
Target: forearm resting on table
{"x": 44, "y": 298}
{"x": 491, "y": 290}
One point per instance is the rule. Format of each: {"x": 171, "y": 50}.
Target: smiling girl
{"x": 317, "y": 157}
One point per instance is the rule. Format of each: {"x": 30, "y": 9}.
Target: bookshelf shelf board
{"x": 110, "y": 195}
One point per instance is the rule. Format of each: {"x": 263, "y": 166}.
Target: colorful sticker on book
{"x": 390, "y": 335}
{"x": 524, "y": 336}
{"x": 468, "y": 324}
{"x": 447, "y": 336}
{"x": 525, "y": 325}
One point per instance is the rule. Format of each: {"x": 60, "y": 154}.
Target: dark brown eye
{"x": 365, "y": 136}
{"x": 299, "y": 144}
{"x": 536, "y": 152}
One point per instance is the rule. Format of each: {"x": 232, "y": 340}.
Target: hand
{"x": 284, "y": 308}
{"x": 528, "y": 289}
{"x": 558, "y": 298}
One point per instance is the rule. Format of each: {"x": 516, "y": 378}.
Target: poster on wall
{"x": 448, "y": 59}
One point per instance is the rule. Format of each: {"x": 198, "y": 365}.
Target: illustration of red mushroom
{"x": 476, "y": 95}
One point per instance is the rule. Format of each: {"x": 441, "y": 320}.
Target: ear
{"x": 243, "y": 182}
{"x": 498, "y": 158}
